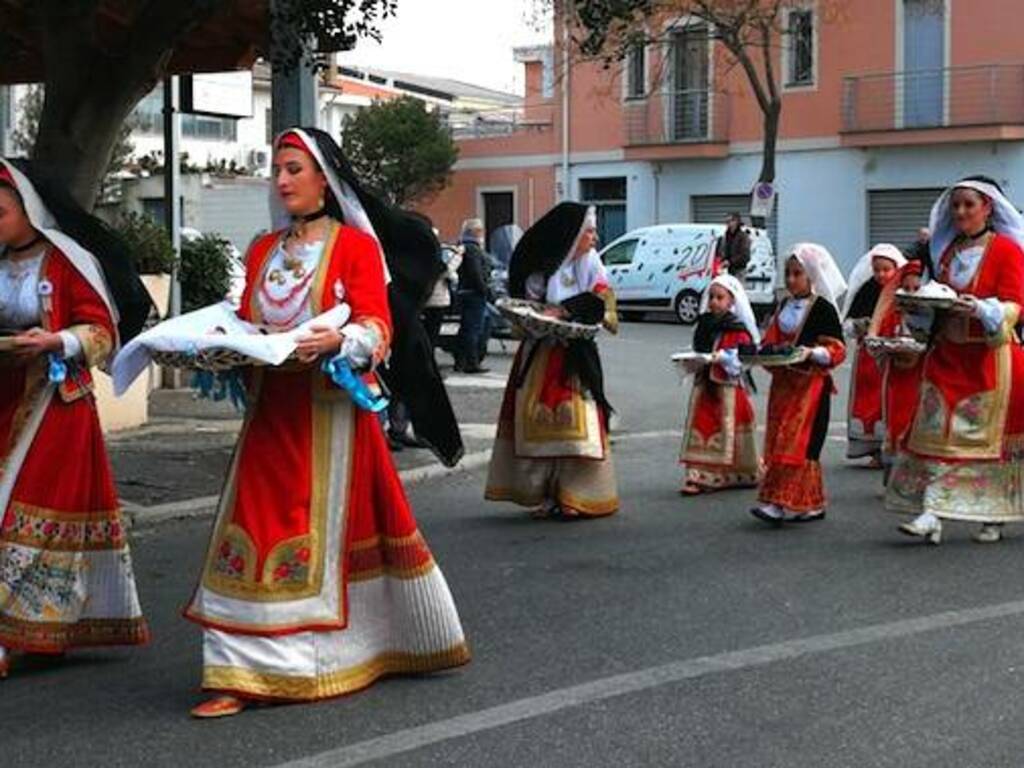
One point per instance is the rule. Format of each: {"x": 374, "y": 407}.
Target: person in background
{"x": 441, "y": 297}
{"x": 473, "y": 295}
{"x": 733, "y": 249}
{"x": 920, "y": 251}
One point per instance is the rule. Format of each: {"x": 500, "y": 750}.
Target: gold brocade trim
{"x": 388, "y": 541}
{"x": 393, "y": 572}
{"x": 567, "y": 423}
{"x": 720, "y": 447}
{"x": 43, "y": 636}
{"x": 59, "y": 514}
{"x": 35, "y": 383}
{"x": 945, "y": 442}
{"x": 246, "y": 585}
{"x": 96, "y": 343}
{"x": 588, "y": 508}
{"x": 349, "y": 680}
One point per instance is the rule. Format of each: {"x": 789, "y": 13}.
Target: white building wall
{"x": 823, "y": 193}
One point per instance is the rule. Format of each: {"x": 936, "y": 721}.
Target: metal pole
{"x": 294, "y": 97}
{"x": 172, "y": 182}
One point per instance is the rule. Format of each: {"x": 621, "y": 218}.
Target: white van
{"x": 666, "y": 268}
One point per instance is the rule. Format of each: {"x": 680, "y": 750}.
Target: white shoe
{"x": 989, "y": 533}
{"x": 926, "y": 526}
{"x": 769, "y": 513}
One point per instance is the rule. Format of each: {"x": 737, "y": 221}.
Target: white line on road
{"x": 533, "y": 707}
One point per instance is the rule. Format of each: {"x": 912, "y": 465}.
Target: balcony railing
{"x": 677, "y": 117}
{"x": 952, "y": 97}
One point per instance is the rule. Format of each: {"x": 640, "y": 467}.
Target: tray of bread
{"x": 539, "y": 320}
{"x": 894, "y": 345}
{"x": 770, "y": 355}
{"x": 931, "y": 295}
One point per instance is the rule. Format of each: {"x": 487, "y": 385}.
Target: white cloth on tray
{"x": 214, "y": 327}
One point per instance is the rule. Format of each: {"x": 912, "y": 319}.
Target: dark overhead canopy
{"x": 229, "y": 40}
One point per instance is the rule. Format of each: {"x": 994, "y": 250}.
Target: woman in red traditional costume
{"x": 865, "y": 427}
{"x": 66, "y": 576}
{"x": 901, "y": 371}
{"x": 317, "y": 580}
{"x": 799, "y": 400}
{"x": 719, "y": 449}
{"x": 963, "y": 454}
{"x": 552, "y": 451}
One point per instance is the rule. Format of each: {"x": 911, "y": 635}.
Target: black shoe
{"x": 394, "y": 445}
{"x": 765, "y": 517}
{"x": 811, "y": 518}
{"x": 476, "y": 369}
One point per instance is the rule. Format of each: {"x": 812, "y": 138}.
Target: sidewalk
{"x": 175, "y": 465}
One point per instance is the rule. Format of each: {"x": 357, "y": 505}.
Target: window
{"x": 620, "y": 254}
{"x": 636, "y": 74}
{"x": 213, "y": 128}
{"x": 608, "y": 196}
{"x": 800, "y": 47}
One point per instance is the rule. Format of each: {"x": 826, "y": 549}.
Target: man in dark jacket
{"x": 734, "y": 247}
{"x": 473, "y": 296}
{"x": 921, "y": 251}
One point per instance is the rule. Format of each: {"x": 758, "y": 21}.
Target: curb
{"x": 140, "y": 517}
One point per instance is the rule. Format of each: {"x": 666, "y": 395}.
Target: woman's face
{"x": 884, "y": 269}
{"x": 588, "y": 240}
{"x": 300, "y": 183}
{"x": 797, "y": 281}
{"x": 15, "y": 227}
{"x": 971, "y": 210}
{"x": 719, "y": 300}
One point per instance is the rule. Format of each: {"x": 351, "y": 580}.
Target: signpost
{"x": 762, "y": 200}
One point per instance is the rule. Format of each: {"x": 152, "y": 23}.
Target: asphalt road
{"x": 677, "y": 633}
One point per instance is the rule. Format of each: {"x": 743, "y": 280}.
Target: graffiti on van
{"x": 694, "y": 261}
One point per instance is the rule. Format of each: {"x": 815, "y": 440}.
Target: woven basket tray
{"x": 528, "y": 316}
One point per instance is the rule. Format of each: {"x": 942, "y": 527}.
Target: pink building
{"x": 884, "y": 103}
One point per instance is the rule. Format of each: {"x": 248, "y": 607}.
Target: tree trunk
{"x": 89, "y": 94}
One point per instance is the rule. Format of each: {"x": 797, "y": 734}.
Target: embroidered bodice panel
{"x": 792, "y": 315}
{"x": 284, "y": 295}
{"x": 19, "y": 292}
{"x": 963, "y": 266}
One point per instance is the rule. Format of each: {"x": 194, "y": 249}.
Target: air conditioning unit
{"x": 259, "y": 158}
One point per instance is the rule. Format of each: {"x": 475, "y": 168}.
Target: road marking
{"x": 476, "y": 381}
{"x": 575, "y": 696}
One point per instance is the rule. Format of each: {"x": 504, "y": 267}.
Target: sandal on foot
{"x": 218, "y": 706}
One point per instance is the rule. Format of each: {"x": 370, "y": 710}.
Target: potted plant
{"x": 154, "y": 256}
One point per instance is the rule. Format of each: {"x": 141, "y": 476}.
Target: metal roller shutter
{"x": 895, "y": 215}
{"x": 712, "y": 209}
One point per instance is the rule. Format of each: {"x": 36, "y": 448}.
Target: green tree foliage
{"x": 148, "y": 242}
{"x": 205, "y": 273}
{"x": 400, "y": 148}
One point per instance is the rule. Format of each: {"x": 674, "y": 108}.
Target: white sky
{"x": 468, "y": 40}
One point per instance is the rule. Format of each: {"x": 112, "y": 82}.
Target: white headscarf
{"x": 577, "y": 273}
{"x": 740, "y": 305}
{"x": 81, "y": 259}
{"x": 863, "y": 272}
{"x": 1006, "y": 219}
{"x": 826, "y": 279}
{"x": 351, "y": 208}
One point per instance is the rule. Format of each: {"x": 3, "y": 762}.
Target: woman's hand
{"x": 36, "y": 342}
{"x": 319, "y": 341}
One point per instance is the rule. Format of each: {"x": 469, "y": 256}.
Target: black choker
{"x": 22, "y": 248}
{"x": 979, "y": 233}
{"x": 308, "y": 217}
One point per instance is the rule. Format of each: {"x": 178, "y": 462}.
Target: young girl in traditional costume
{"x": 317, "y": 581}
{"x": 799, "y": 400}
{"x": 68, "y": 296}
{"x": 901, "y": 372}
{"x": 963, "y": 453}
{"x": 552, "y": 451}
{"x": 865, "y": 428}
{"x": 719, "y": 449}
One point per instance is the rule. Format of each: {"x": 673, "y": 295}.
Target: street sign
{"x": 762, "y": 200}
{"x": 219, "y": 94}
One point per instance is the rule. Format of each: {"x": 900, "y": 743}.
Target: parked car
{"x": 667, "y": 267}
